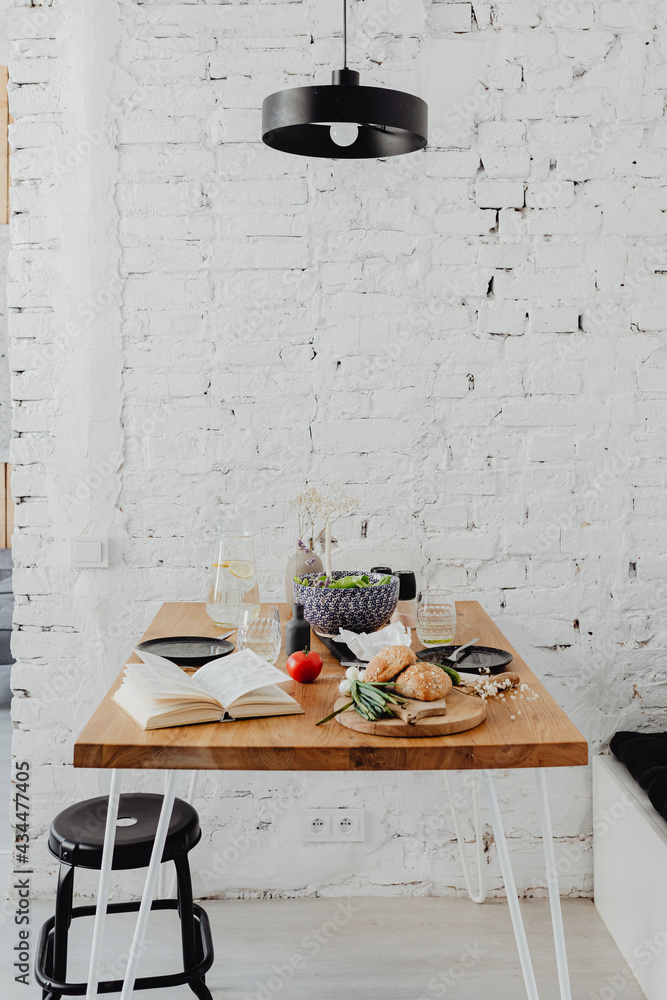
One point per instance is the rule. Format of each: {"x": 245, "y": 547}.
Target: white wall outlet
{"x": 328, "y": 825}
{"x": 314, "y": 824}
{"x": 347, "y": 824}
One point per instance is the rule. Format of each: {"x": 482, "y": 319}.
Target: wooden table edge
{"x": 361, "y": 758}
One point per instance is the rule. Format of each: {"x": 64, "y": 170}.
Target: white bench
{"x": 630, "y": 866}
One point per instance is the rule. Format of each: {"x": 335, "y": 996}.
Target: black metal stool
{"x": 76, "y": 839}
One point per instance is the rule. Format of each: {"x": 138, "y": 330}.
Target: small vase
{"x": 300, "y": 564}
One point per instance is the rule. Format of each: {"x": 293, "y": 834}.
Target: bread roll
{"x": 423, "y": 681}
{"x": 388, "y": 663}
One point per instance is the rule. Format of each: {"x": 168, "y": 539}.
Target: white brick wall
{"x": 471, "y": 337}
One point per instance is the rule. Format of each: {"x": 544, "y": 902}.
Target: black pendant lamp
{"x": 344, "y": 120}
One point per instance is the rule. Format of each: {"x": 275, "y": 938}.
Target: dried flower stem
{"x": 314, "y": 509}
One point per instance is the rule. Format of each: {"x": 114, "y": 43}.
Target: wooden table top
{"x": 541, "y": 736}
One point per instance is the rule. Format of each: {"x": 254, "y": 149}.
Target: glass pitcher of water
{"x": 232, "y": 578}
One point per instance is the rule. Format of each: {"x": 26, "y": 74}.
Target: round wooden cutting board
{"x": 464, "y": 712}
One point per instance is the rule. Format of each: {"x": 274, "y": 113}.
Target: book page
{"x": 164, "y": 678}
{"x": 269, "y": 695}
{"x": 265, "y": 696}
{"x": 231, "y": 677}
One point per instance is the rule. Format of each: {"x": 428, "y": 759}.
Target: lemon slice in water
{"x": 240, "y": 569}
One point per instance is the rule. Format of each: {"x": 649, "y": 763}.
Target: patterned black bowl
{"x": 359, "y": 609}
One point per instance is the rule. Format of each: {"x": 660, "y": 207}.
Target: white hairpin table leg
{"x": 192, "y": 787}
{"x": 162, "y": 877}
{"x": 103, "y": 889}
{"x": 480, "y": 895}
{"x": 510, "y": 888}
{"x": 192, "y": 791}
{"x": 552, "y": 882}
{"x": 149, "y": 888}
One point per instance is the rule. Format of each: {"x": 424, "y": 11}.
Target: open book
{"x": 157, "y": 693}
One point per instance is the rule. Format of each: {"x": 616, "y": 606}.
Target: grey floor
{"x": 378, "y": 949}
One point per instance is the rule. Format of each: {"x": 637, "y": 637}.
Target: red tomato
{"x": 304, "y": 667}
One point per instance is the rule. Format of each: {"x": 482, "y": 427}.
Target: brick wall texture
{"x": 472, "y": 338}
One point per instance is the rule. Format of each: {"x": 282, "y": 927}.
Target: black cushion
{"x": 77, "y": 833}
{"x": 622, "y": 737}
{"x": 645, "y": 756}
{"x": 641, "y": 754}
{"x": 657, "y": 793}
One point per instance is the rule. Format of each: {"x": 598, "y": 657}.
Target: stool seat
{"x": 76, "y": 836}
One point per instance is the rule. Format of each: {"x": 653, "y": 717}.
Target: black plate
{"x": 475, "y": 659}
{"x": 187, "y": 650}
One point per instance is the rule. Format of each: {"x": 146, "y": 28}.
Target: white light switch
{"x": 89, "y": 552}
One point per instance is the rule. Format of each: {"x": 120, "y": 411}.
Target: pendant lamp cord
{"x": 345, "y": 34}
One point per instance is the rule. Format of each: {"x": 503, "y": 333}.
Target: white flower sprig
{"x": 314, "y": 509}
{"x": 488, "y": 687}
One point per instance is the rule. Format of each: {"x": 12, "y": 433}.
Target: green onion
{"x": 371, "y": 701}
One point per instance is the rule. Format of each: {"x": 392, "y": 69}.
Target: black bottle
{"x": 297, "y": 632}
{"x": 406, "y": 609}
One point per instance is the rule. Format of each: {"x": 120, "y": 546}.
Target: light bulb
{"x": 344, "y": 133}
